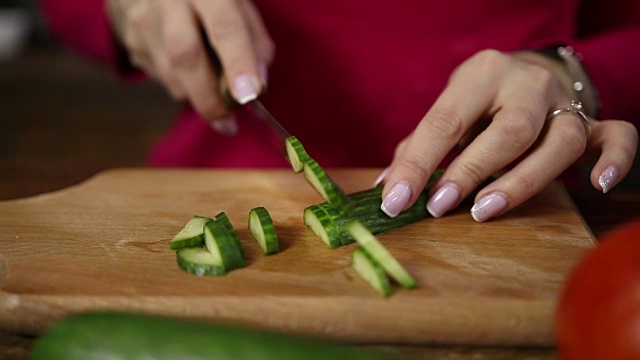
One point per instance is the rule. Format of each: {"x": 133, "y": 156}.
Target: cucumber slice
{"x": 296, "y": 153}
{"x": 191, "y": 234}
{"x": 321, "y": 223}
{"x": 325, "y": 186}
{"x": 262, "y": 229}
{"x": 220, "y": 243}
{"x": 369, "y": 242}
{"x": 224, "y": 220}
{"x": 199, "y": 261}
{"x": 371, "y": 271}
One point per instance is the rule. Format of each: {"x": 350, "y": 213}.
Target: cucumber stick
{"x": 199, "y": 261}
{"x": 296, "y": 153}
{"x": 191, "y": 235}
{"x": 371, "y": 271}
{"x": 136, "y": 336}
{"x": 221, "y": 244}
{"x": 263, "y": 230}
{"x": 380, "y": 254}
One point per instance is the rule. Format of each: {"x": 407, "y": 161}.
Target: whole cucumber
{"x": 108, "y": 335}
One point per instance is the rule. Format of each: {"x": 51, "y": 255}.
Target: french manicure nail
{"x": 608, "y": 178}
{"x": 489, "y": 206}
{"x": 380, "y": 177}
{"x": 396, "y": 199}
{"x": 245, "y": 89}
{"x": 443, "y": 200}
{"x": 227, "y": 127}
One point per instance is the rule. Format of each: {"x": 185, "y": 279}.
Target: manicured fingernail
{"x": 380, "y": 177}
{"x": 489, "y": 206}
{"x": 608, "y": 178}
{"x": 443, "y": 200}
{"x": 264, "y": 75}
{"x": 227, "y": 127}
{"x": 396, "y": 199}
{"x": 245, "y": 89}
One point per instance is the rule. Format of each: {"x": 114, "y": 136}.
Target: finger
{"x": 188, "y": 58}
{"x": 514, "y": 129}
{"x": 228, "y": 31}
{"x": 618, "y": 142}
{"x": 563, "y": 142}
{"x": 464, "y": 101}
{"x": 264, "y": 46}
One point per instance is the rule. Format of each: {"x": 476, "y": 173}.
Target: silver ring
{"x": 576, "y": 109}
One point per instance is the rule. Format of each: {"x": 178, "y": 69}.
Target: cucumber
{"x": 322, "y": 224}
{"x": 220, "y": 243}
{"x": 224, "y": 220}
{"x": 374, "y": 248}
{"x": 199, "y": 261}
{"x": 296, "y": 153}
{"x": 263, "y": 230}
{"x": 371, "y": 271}
{"x": 326, "y": 187}
{"x": 112, "y": 335}
{"x": 191, "y": 235}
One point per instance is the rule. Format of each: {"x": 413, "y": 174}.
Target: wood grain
{"x": 103, "y": 245}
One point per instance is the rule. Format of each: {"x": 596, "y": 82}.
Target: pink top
{"x": 353, "y": 78}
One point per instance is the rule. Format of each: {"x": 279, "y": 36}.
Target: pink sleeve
{"x": 610, "y": 47}
{"x": 84, "y": 26}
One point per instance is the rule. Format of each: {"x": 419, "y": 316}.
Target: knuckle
{"x": 225, "y": 29}
{"x": 184, "y": 52}
{"x": 416, "y": 164}
{"x": 573, "y": 138}
{"x": 446, "y": 123}
{"x": 522, "y": 127}
{"x": 473, "y": 171}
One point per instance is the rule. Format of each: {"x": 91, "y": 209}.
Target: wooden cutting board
{"x": 104, "y": 245}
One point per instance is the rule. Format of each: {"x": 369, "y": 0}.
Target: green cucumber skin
{"x": 330, "y": 191}
{"x": 383, "y": 285}
{"x": 230, "y": 253}
{"x": 102, "y": 336}
{"x": 326, "y": 221}
{"x": 269, "y": 230}
{"x": 300, "y": 153}
{"x": 366, "y": 209}
{"x": 224, "y": 219}
{"x": 196, "y": 268}
{"x": 196, "y": 240}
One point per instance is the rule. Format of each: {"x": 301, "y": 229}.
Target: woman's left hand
{"x": 496, "y": 107}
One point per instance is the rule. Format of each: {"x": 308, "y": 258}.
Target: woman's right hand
{"x": 163, "y": 38}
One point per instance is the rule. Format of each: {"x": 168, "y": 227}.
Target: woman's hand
{"x": 164, "y": 38}
{"x": 496, "y": 106}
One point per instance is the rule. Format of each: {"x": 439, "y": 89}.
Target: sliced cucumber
{"x": 199, "y": 261}
{"x": 191, "y": 235}
{"x": 371, "y": 271}
{"x": 374, "y": 248}
{"x": 321, "y": 223}
{"x": 296, "y": 153}
{"x": 325, "y": 186}
{"x": 262, "y": 229}
{"x": 224, "y": 220}
{"x": 220, "y": 243}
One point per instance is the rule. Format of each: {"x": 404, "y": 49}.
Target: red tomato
{"x": 598, "y": 314}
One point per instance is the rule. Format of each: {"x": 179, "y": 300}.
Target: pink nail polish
{"x": 396, "y": 199}
{"x": 245, "y": 89}
{"x": 227, "y": 127}
{"x": 608, "y": 178}
{"x": 443, "y": 200}
{"x": 380, "y": 177}
{"x": 489, "y": 206}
